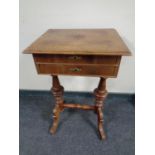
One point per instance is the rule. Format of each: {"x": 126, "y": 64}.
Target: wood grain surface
{"x": 79, "y": 41}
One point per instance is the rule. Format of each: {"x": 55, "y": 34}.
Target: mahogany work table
{"x": 79, "y": 52}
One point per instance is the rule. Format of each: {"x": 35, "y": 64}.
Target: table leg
{"x": 57, "y": 91}
{"x": 100, "y": 95}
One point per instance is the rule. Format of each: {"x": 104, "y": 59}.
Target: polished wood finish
{"x": 57, "y": 91}
{"x": 76, "y": 59}
{"x": 100, "y": 95}
{"x": 79, "y": 41}
{"x": 79, "y": 52}
{"x": 105, "y": 66}
{"x": 80, "y": 70}
{"x": 79, "y": 106}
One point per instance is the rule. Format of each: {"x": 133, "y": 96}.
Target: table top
{"x": 79, "y": 41}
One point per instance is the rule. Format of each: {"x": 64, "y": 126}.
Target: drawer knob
{"x": 75, "y": 57}
{"x": 75, "y": 69}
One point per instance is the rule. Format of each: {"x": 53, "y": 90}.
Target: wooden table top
{"x": 79, "y": 41}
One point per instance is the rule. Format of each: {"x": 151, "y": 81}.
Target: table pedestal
{"x": 100, "y": 95}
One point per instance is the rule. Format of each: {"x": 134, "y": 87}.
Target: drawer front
{"x": 77, "y": 59}
{"x": 83, "y": 70}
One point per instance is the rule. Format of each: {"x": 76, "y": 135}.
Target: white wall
{"x": 36, "y": 16}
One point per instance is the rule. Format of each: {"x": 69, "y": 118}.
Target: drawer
{"x": 83, "y": 70}
{"x": 77, "y": 59}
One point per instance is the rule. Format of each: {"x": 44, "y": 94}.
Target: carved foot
{"x": 56, "y": 113}
{"x": 100, "y": 123}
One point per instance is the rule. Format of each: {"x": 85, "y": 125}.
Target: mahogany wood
{"x": 79, "y": 106}
{"x": 76, "y": 59}
{"x": 100, "y": 95}
{"x": 80, "y": 52}
{"x": 79, "y": 41}
{"x": 81, "y": 70}
{"x": 57, "y": 91}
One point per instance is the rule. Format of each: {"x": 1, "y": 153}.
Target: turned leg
{"x": 57, "y": 91}
{"x": 100, "y": 95}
